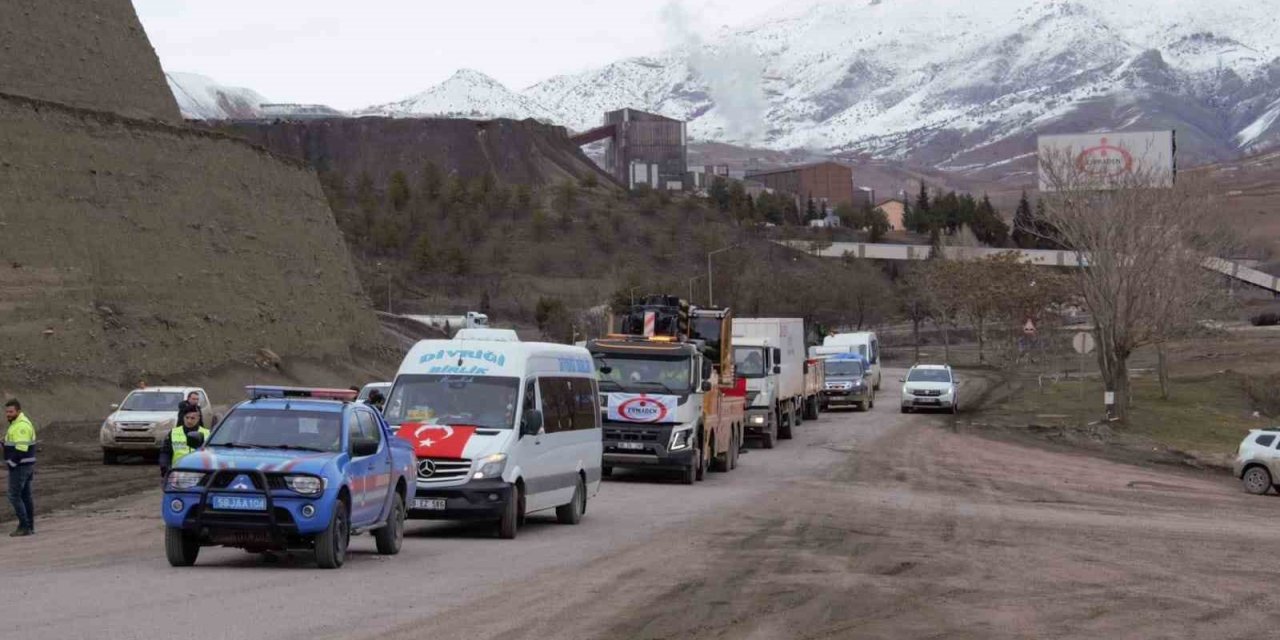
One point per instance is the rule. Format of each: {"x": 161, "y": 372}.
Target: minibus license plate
{"x": 430, "y": 504}
{"x": 635, "y": 446}
{"x": 240, "y": 503}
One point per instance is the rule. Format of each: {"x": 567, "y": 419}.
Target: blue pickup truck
{"x": 291, "y": 469}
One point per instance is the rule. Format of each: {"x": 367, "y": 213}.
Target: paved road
{"x": 866, "y": 525}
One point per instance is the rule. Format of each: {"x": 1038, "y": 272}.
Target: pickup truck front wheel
{"x": 331, "y": 544}
{"x": 391, "y": 537}
{"x": 181, "y": 548}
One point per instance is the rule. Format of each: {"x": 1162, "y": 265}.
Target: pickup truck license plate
{"x": 430, "y": 504}
{"x": 636, "y": 446}
{"x": 240, "y": 503}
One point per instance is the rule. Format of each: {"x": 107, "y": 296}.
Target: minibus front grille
{"x": 438, "y": 470}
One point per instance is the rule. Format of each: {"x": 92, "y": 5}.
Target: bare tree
{"x": 914, "y": 302}
{"x": 1144, "y": 241}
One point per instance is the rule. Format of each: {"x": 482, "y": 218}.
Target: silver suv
{"x": 1258, "y": 460}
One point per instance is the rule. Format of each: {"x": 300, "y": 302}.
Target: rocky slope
{"x": 203, "y": 98}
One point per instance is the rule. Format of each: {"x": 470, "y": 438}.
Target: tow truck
{"x": 291, "y": 468}
{"x": 669, "y": 398}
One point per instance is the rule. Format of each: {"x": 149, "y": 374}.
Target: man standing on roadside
{"x": 188, "y": 436}
{"x": 192, "y": 402}
{"x": 20, "y": 457}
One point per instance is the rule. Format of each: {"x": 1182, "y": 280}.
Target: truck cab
{"x": 757, "y": 360}
{"x": 669, "y": 399}
{"x": 291, "y": 468}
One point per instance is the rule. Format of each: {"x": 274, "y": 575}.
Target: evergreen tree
{"x": 923, "y": 217}
{"x": 398, "y": 190}
{"x": 486, "y": 306}
{"x": 432, "y": 181}
{"x": 811, "y": 210}
{"x": 1024, "y": 226}
{"x": 718, "y": 193}
{"x": 738, "y": 200}
{"x": 424, "y": 256}
{"x": 935, "y": 243}
{"x": 988, "y": 226}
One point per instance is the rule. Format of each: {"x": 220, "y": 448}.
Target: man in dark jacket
{"x": 192, "y": 402}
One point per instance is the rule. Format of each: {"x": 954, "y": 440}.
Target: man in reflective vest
{"x": 182, "y": 440}
{"x": 20, "y": 457}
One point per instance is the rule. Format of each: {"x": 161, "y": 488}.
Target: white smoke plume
{"x": 731, "y": 70}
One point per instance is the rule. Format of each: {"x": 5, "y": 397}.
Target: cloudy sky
{"x": 354, "y": 53}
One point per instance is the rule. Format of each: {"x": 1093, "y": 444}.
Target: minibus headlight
{"x": 490, "y": 466}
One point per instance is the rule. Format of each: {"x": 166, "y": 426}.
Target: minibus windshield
{"x": 479, "y": 401}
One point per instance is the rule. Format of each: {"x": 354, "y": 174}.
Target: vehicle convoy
{"x": 143, "y": 420}
{"x": 863, "y": 343}
{"x": 769, "y": 354}
{"x": 291, "y": 469}
{"x": 848, "y": 382}
{"x": 1258, "y": 460}
{"x": 930, "y": 386}
{"x": 501, "y": 430}
{"x": 670, "y": 398}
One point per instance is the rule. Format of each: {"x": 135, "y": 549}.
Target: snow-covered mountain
{"x": 466, "y": 94}
{"x": 960, "y": 85}
{"x": 203, "y": 98}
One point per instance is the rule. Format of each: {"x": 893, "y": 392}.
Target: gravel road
{"x": 866, "y": 525}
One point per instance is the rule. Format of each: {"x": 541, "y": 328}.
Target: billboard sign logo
{"x": 1105, "y": 160}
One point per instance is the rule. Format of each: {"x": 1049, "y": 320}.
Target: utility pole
{"x": 710, "y": 296}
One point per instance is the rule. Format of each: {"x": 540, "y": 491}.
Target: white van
{"x": 501, "y": 429}
{"x": 863, "y": 343}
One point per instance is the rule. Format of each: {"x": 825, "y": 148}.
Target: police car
{"x": 287, "y": 469}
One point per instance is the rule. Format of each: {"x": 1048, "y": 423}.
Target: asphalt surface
{"x": 877, "y": 525}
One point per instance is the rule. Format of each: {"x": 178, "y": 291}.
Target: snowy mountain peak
{"x": 466, "y": 94}
{"x": 203, "y": 98}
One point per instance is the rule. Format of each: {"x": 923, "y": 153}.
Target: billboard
{"x": 1100, "y": 160}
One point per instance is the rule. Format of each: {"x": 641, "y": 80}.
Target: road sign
{"x": 1083, "y": 342}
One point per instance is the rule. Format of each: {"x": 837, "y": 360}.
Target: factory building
{"x": 830, "y": 184}
{"x": 643, "y": 148}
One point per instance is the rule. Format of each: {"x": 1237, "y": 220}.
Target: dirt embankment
{"x": 513, "y": 152}
{"x": 135, "y": 250}
{"x": 85, "y": 54}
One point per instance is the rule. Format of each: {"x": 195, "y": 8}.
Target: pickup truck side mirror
{"x": 363, "y": 447}
{"x": 705, "y": 386}
{"x": 531, "y": 423}
{"x": 902, "y": 379}
{"x": 115, "y": 405}
{"x": 777, "y": 368}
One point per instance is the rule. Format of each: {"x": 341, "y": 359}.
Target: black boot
{"x": 20, "y": 532}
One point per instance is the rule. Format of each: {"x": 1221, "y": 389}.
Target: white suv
{"x": 930, "y": 386}
{"x": 1258, "y": 460}
{"x": 143, "y": 420}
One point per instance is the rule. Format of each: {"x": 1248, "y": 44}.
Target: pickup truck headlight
{"x": 681, "y": 438}
{"x": 305, "y": 485}
{"x": 183, "y": 480}
{"x": 757, "y": 419}
{"x": 490, "y": 466}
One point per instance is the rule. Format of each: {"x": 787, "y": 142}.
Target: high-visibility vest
{"x": 178, "y": 440}
{"x": 20, "y": 441}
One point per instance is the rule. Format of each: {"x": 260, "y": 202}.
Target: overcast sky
{"x": 354, "y": 53}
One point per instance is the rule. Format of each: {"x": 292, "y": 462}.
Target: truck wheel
{"x": 572, "y": 513}
{"x": 811, "y": 408}
{"x": 391, "y": 537}
{"x": 606, "y": 471}
{"x": 331, "y": 544}
{"x": 789, "y": 419}
{"x": 770, "y": 436}
{"x": 180, "y": 548}
{"x": 871, "y": 403}
{"x": 509, "y": 523}
{"x": 720, "y": 461}
{"x": 701, "y": 464}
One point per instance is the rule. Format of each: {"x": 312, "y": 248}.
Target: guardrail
{"x": 1046, "y": 257}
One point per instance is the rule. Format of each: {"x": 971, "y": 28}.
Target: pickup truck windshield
{"x": 151, "y": 401}
{"x": 929, "y": 375}
{"x": 748, "y": 362}
{"x": 647, "y": 375}
{"x": 478, "y": 401}
{"x": 261, "y": 428}
{"x": 844, "y": 368}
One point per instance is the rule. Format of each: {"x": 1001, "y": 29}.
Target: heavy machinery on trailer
{"x": 669, "y": 397}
